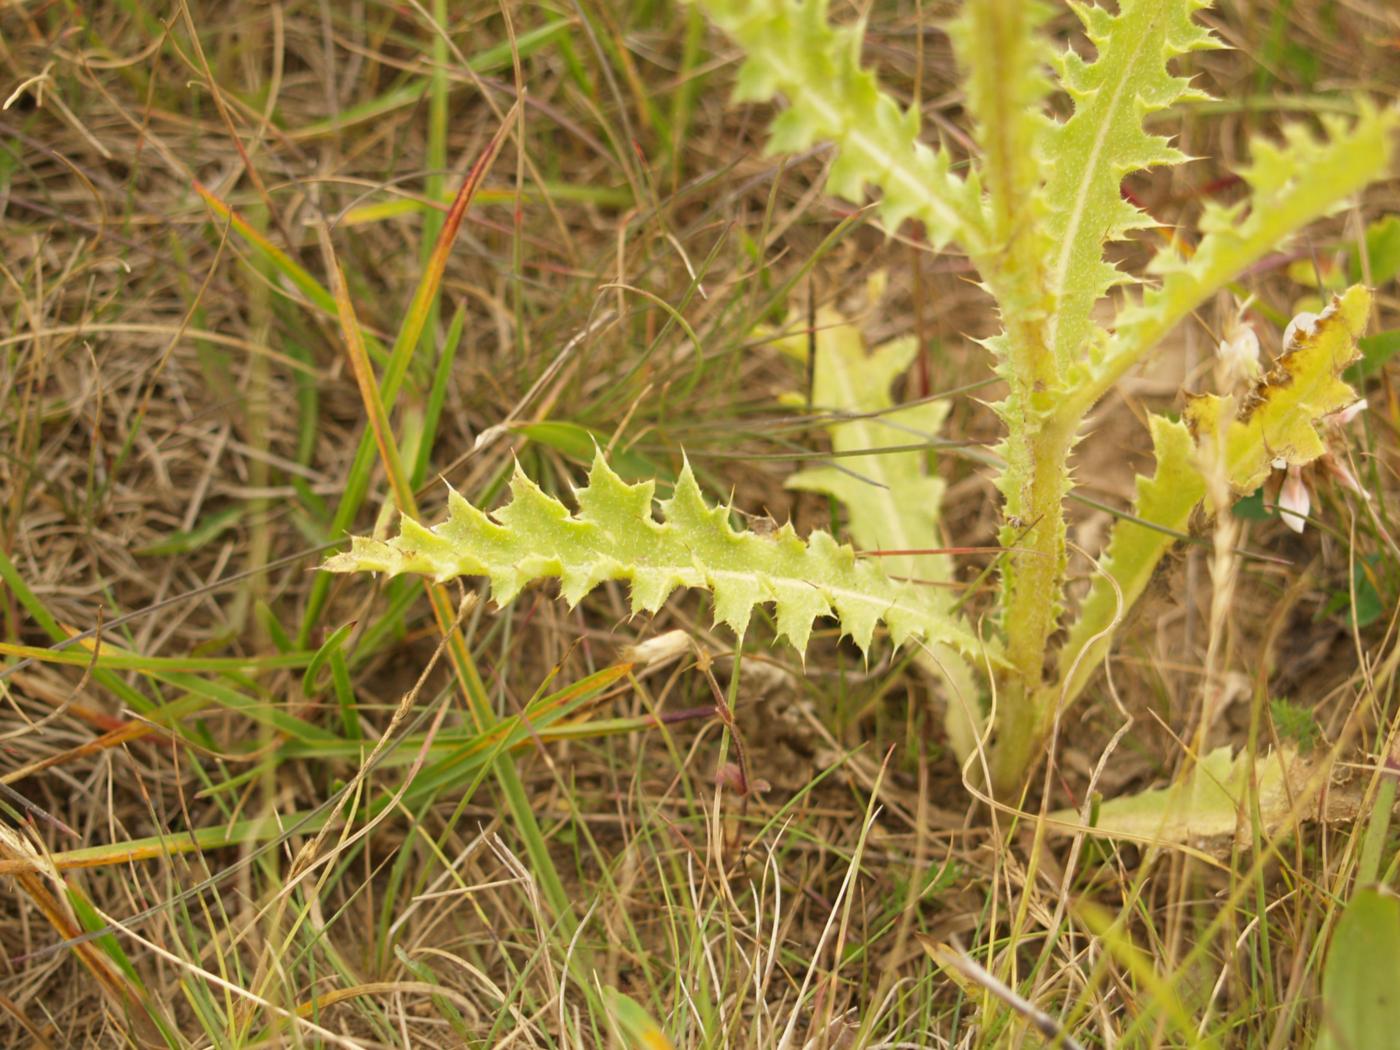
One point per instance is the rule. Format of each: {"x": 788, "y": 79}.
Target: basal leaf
{"x": 891, "y": 499}
{"x": 1212, "y": 801}
{"x": 614, "y": 536}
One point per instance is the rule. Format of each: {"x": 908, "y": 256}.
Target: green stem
{"x": 1032, "y": 595}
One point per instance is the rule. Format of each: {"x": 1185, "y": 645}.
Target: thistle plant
{"x": 1034, "y": 209}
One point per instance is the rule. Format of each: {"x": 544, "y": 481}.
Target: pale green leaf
{"x": 1278, "y": 421}
{"x": 1293, "y": 183}
{"x": 614, "y": 536}
{"x": 1360, "y": 996}
{"x": 1211, "y": 801}
{"x": 1166, "y": 499}
{"x": 791, "y": 49}
{"x": 1101, "y": 142}
{"x": 891, "y": 499}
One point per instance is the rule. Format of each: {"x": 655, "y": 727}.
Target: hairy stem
{"x": 1032, "y": 595}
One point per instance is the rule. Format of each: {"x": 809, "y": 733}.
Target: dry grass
{"x": 180, "y": 427}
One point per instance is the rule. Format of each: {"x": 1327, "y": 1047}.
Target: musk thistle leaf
{"x": 1292, "y": 183}
{"x": 1275, "y": 425}
{"x": 614, "y": 536}
{"x": 1167, "y": 499}
{"x": 791, "y": 49}
{"x": 1104, "y": 140}
{"x": 891, "y": 499}
{"x": 1209, "y": 803}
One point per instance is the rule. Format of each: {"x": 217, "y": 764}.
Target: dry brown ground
{"x": 179, "y": 426}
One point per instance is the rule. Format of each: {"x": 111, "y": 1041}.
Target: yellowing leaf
{"x": 1210, "y": 802}
{"x": 636, "y": 1024}
{"x": 1278, "y": 420}
{"x": 1292, "y": 184}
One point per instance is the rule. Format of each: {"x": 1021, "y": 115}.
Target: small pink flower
{"x": 1294, "y": 500}
{"x": 1293, "y": 496}
{"x": 1344, "y": 416}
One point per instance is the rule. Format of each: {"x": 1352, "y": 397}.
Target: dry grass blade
{"x": 270, "y": 269}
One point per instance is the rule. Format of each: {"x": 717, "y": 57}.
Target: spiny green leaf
{"x": 1104, "y": 140}
{"x": 1165, "y": 499}
{"x": 615, "y": 537}
{"x": 792, "y": 49}
{"x": 891, "y": 499}
{"x": 1277, "y": 422}
{"x": 1293, "y": 184}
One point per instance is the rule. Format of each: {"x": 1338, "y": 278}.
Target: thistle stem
{"x": 1032, "y": 602}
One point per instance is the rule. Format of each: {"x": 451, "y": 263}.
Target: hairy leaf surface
{"x": 1004, "y": 59}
